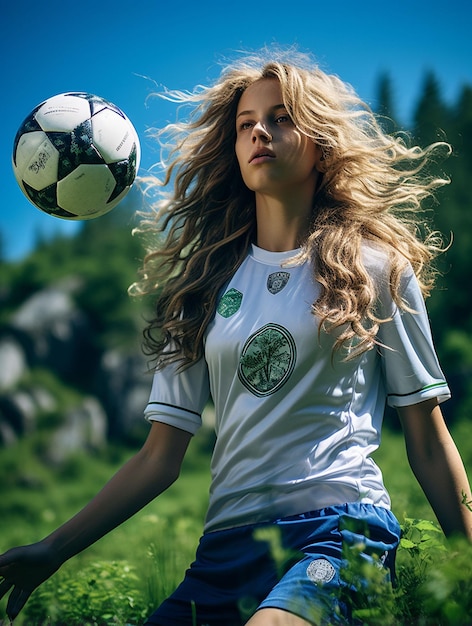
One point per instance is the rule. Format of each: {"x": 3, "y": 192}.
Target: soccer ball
{"x": 76, "y": 156}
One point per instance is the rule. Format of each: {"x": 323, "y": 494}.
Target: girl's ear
{"x": 322, "y": 152}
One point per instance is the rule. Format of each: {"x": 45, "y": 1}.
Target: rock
{"x": 7, "y": 435}
{"x": 44, "y": 399}
{"x": 125, "y": 385}
{"x": 13, "y": 364}
{"x": 84, "y": 428}
{"x": 18, "y": 410}
{"x": 53, "y": 331}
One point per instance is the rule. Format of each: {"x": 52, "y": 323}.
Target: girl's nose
{"x": 259, "y": 131}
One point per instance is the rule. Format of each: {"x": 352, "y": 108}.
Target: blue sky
{"x": 122, "y": 50}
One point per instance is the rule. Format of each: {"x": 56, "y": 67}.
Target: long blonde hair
{"x": 373, "y": 188}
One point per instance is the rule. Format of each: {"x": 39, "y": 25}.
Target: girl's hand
{"x": 22, "y": 570}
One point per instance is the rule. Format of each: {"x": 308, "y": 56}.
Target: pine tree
{"x": 431, "y": 118}
{"x": 385, "y": 104}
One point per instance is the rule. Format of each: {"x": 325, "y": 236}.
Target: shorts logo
{"x": 277, "y": 281}
{"x": 320, "y": 571}
{"x": 230, "y": 303}
{"x": 267, "y": 360}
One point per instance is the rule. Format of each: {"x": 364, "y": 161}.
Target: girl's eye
{"x": 280, "y": 119}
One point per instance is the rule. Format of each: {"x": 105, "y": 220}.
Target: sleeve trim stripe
{"x": 174, "y": 406}
{"x": 412, "y": 393}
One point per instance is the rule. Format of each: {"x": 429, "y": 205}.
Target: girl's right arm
{"x": 436, "y": 463}
{"x": 147, "y": 474}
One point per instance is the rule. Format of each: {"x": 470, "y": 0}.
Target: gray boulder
{"x": 52, "y": 330}
{"x": 13, "y": 365}
{"x": 84, "y": 428}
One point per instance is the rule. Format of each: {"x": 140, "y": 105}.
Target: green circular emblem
{"x": 267, "y": 360}
{"x": 230, "y": 303}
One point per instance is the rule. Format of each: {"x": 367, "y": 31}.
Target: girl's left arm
{"x": 437, "y": 465}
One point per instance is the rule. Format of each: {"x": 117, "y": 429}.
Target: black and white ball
{"x": 76, "y": 156}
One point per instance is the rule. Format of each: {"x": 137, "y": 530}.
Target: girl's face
{"x": 273, "y": 155}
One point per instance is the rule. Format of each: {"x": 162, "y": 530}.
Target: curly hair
{"x": 373, "y": 188}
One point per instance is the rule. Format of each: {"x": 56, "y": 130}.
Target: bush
{"x": 103, "y": 594}
{"x": 434, "y": 576}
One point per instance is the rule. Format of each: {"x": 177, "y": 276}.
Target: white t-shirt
{"x": 296, "y": 425}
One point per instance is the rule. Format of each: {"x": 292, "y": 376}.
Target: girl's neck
{"x": 281, "y": 226}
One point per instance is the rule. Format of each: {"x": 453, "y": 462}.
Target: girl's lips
{"x": 261, "y": 156}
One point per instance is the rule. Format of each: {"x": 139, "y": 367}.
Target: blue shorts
{"x": 293, "y": 564}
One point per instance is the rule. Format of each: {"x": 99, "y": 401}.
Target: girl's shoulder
{"x": 379, "y": 261}
{"x": 392, "y": 276}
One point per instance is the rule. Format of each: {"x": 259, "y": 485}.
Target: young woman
{"x": 291, "y": 290}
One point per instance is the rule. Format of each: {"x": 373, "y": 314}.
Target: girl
{"x": 290, "y": 286}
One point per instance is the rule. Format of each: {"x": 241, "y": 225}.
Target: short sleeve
{"x": 410, "y": 364}
{"x": 178, "y": 397}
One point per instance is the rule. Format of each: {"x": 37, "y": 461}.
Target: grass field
{"x": 119, "y": 579}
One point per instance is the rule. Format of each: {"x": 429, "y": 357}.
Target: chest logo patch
{"x": 267, "y": 360}
{"x": 230, "y": 303}
{"x": 277, "y": 281}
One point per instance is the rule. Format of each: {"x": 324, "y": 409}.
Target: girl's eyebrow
{"x": 251, "y": 112}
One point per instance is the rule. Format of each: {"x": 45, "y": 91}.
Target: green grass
{"x": 157, "y": 544}
{"x": 143, "y": 560}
